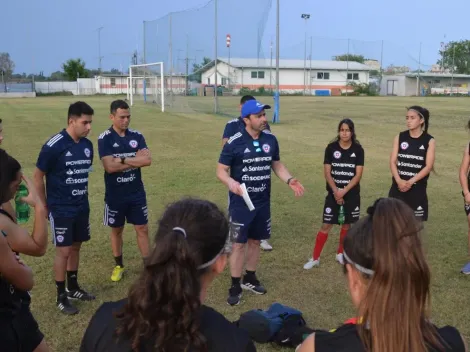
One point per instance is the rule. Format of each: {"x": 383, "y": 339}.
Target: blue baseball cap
{"x": 253, "y": 107}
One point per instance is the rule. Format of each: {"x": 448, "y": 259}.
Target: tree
{"x": 197, "y": 76}
{"x": 456, "y": 55}
{"x": 7, "y": 65}
{"x": 350, "y": 57}
{"x": 75, "y": 68}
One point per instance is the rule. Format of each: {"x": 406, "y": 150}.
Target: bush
{"x": 369, "y": 89}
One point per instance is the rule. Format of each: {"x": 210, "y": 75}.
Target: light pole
{"x": 99, "y": 48}
{"x": 229, "y": 42}
{"x": 305, "y": 16}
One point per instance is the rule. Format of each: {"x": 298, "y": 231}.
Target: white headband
{"x": 357, "y": 266}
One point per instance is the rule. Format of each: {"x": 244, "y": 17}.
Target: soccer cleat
{"x": 234, "y": 295}
{"x": 65, "y": 306}
{"x": 339, "y": 258}
{"x": 265, "y": 246}
{"x": 312, "y": 263}
{"x": 117, "y": 273}
{"x": 251, "y": 283}
{"x": 466, "y": 269}
{"x": 80, "y": 294}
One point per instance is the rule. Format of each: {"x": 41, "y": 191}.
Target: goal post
{"x": 147, "y": 82}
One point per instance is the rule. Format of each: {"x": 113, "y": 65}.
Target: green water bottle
{"x": 22, "y": 208}
{"x": 341, "y": 215}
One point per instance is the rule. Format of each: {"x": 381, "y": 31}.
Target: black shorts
{"x": 134, "y": 211}
{"x": 352, "y": 208}
{"x": 246, "y": 224}
{"x": 416, "y": 198}
{"x": 68, "y": 230}
{"x": 20, "y": 334}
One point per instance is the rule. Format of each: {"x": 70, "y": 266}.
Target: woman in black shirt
{"x": 388, "y": 280}
{"x": 412, "y": 160}
{"x": 164, "y": 310}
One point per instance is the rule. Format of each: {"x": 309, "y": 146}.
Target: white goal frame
{"x": 130, "y": 89}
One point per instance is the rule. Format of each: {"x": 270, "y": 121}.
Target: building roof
{"x": 436, "y": 75}
{"x": 291, "y": 64}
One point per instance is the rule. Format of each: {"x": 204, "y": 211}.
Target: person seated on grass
{"x": 388, "y": 280}
{"x": 19, "y": 330}
{"x": 164, "y": 310}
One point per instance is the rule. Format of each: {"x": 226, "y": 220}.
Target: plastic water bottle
{"x": 22, "y": 208}
{"x": 341, "y": 215}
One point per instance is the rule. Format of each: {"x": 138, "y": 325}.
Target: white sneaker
{"x": 339, "y": 258}
{"x": 311, "y": 263}
{"x": 265, "y": 246}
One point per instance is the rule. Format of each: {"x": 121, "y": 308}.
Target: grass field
{"x": 185, "y": 150}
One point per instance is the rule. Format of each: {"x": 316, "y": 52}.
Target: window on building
{"x": 113, "y": 82}
{"x": 353, "y": 76}
{"x": 224, "y": 81}
{"x": 257, "y": 74}
{"x": 323, "y": 75}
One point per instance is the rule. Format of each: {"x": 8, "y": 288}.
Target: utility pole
{"x": 271, "y": 68}
{"x": 216, "y": 100}
{"x": 453, "y": 69}
{"x": 418, "y": 81}
{"x": 99, "y": 49}
{"x": 305, "y": 16}
{"x": 277, "y": 95}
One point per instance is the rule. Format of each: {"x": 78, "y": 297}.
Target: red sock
{"x": 342, "y": 235}
{"x": 319, "y": 243}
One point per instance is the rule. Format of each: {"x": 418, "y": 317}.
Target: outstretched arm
{"x": 284, "y": 175}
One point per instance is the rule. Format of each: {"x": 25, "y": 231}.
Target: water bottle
{"x": 341, "y": 215}
{"x": 22, "y": 208}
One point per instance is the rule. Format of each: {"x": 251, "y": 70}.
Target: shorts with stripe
{"x": 68, "y": 230}
{"x": 246, "y": 224}
{"x": 116, "y": 213}
{"x": 352, "y": 208}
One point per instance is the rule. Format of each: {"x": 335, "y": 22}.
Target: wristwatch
{"x": 123, "y": 158}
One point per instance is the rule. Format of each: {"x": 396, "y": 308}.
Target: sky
{"x": 42, "y": 35}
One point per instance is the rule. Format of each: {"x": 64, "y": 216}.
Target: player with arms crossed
{"x": 231, "y": 128}
{"x": 248, "y": 157}
{"x": 65, "y": 161}
{"x": 343, "y": 167}
{"x": 123, "y": 152}
{"x": 465, "y": 184}
{"x": 412, "y": 161}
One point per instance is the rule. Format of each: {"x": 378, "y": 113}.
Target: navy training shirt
{"x": 66, "y": 164}
{"x": 250, "y": 162}
{"x": 236, "y": 125}
{"x": 128, "y": 184}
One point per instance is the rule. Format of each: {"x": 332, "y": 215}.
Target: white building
{"x": 319, "y": 77}
{"x": 425, "y": 83}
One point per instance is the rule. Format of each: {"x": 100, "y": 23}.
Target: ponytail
{"x": 164, "y": 303}
{"x": 388, "y": 245}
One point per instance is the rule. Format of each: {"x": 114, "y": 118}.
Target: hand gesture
{"x": 403, "y": 186}
{"x": 235, "y": 188}
{"x": 297, "y": 187}
{"x": 32, "y": 198}
{"x": 339, "y": 194}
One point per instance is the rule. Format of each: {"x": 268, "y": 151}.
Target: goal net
{"x": 146, "y": 83}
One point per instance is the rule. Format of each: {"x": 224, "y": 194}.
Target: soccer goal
{"x": 146, "y": 82}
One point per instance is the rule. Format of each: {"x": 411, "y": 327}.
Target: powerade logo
{"x": 257, "y": 159}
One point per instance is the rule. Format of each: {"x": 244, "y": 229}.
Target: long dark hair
{"x": 396, "y": 303}
{"x": 423, "y": 113}
{"x": 10, "y": 168}
{"x": 164, "y": 302}
{"x": 350, "y": 124}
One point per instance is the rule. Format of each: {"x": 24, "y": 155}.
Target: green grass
{"x": 185, "y": 149}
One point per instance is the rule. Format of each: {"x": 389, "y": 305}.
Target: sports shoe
{"x": 251, "y": 283}
{"x": 117, "y": 273}
{"x": 234, "y": 295}
{"x": 312, "y": 263}
{"x": 339, "y": 258}
{"x": 265, "y": 246}
{"x": 466, "y": 269}
{"x": 80, "y": 294}
{"x": 65, "y": 306}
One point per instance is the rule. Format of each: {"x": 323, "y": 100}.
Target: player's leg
{"x": 81, "y": 233}
{"x": 137, "y": 214}
{"x": 352, "y": 209}
{"x": 240, "y": 220}
{"x": 260, "y": 229}
{"x": 114, "y": 217}
{"x": 330, "y": 217}
{"x": 466, "y": 269}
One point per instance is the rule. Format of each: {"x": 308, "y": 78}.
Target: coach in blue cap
{"x": 247, "y": 158}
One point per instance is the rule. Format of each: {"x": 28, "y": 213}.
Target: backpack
{"x": 281, "y": 324}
